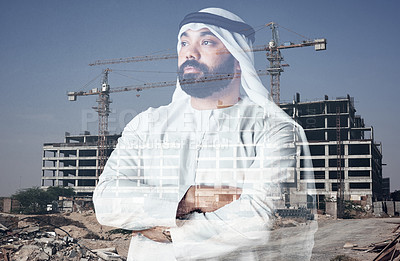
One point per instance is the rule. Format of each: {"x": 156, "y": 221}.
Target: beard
{"x": 199, "y": 85}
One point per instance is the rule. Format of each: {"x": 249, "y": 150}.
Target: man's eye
{"x": 184, "y": 44}
{"x": 206, "y": 42}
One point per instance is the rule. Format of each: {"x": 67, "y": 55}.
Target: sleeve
{"x": 247, "y": 227}
{"x": 124, "y": 198}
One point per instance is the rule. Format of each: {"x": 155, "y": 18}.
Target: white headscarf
{"x": 238, "y": 45}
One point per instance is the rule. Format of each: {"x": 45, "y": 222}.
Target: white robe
{"x": 164, "y": 151}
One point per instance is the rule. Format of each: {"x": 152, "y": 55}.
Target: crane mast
{"x": 103, "y": 110}
{"x": 275, "y": 67}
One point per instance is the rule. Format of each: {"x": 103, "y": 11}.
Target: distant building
{"x": 386, "y": 188}
{"x": 360, "y": 157}
{"x": 74, "y": 162}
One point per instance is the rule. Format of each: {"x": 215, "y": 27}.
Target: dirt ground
{"x": 329, "y": 242}
{"x": 332, "y": 235}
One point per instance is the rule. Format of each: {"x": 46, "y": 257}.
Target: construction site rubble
{"x": 79, "y": 237}
{"x": 47, "y": 237}
{"x": 388, "y": 250}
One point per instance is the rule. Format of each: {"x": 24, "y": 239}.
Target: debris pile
{"x": 388, "y": 250}
{"x": 35, "y": 238}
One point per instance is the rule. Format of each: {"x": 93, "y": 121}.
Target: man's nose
{"x": 192, "y": 52}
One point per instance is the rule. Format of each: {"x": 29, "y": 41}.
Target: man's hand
{"x": 188, "y": 203}
{"x": 205, "y": 199}
{"x": 158, "y": 234}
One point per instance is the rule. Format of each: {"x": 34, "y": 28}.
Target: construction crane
{"x": 103, "y": 109}
{"x": 273, "y": 56}
{"x": 103, "y": 100}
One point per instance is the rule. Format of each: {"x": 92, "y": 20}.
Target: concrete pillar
{"x": 390, "y": 208}
{"x": 58, "y": 163}
{"x": 7, "y": 205}
{"x": 331, "y": 209}
{"x": 396, "y": 208}
{"x": 378, "y": 208}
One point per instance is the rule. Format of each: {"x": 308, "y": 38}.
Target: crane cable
{"x": 130, "y": 77}
{"x": 90, "y": 82}
{"x": 307, "y": 38}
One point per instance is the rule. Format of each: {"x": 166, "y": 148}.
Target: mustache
{"x": 195, "y": 64}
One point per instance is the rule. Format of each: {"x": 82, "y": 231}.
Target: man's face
{"x": 203, "y": 55}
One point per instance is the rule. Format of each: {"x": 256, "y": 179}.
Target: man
{"x": 200, "y": 178}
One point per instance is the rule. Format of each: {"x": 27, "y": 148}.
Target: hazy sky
{"x": 46, "y": 46}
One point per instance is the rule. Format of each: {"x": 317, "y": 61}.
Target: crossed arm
{"x": 201, "y": 199}
{"x": 143, "y": 212}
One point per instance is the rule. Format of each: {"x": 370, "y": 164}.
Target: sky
{"x": 46, "y": 46}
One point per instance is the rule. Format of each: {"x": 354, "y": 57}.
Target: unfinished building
{"x": 338, "y": 138}
{"x": 339, "y": 142}
{"x": 74, "y": 162}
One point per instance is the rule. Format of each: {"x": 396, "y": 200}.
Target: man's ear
{"x": 237, "y": 66}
